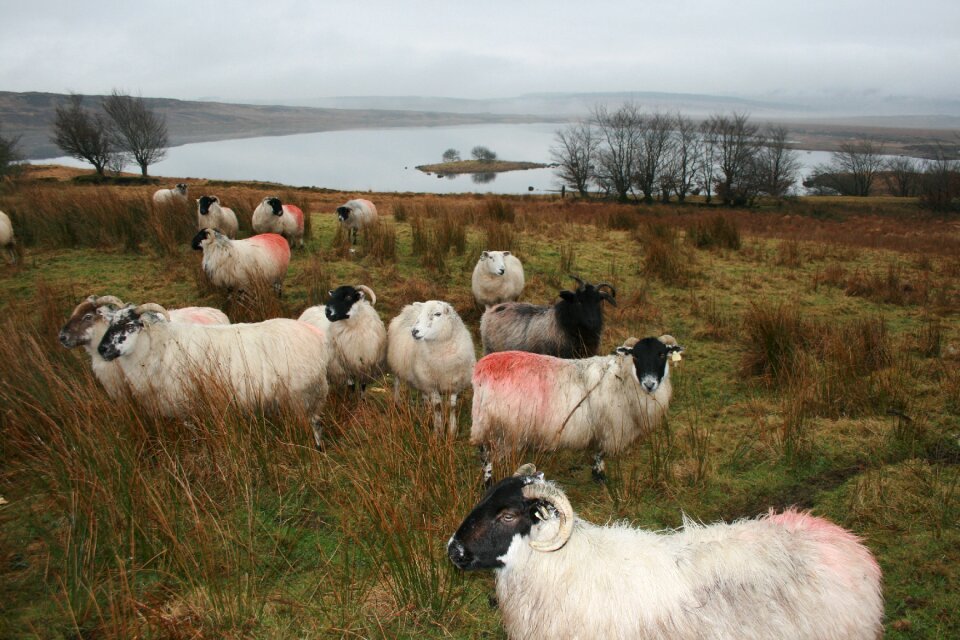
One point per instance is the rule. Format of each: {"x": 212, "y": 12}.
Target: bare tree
{"x": 686, "y": 154}
{"x": 620, "y": 146}
{"x": 856, "y": 166}
{"x": 451, "y": 155}
{"x": 655, "y": 139}
{"x": 708, "y": 163}
{"x": 940, "y": 184}
{"x": 483, "y": 154}
{"x": 10, "y": 157}
{"x": 82, "y": 134}
{"x": 736, "y": 147}
{"x": 777, "y": 164}
{"x": 138, "y": 130}
{"x": 575, "y": 152}
{"x": 902, "y": 176}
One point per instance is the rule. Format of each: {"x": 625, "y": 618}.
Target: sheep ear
{"x": 360, "y": 296}
{"x": 485, "y": 254}
{"x": 568, "y": 295}
{"x": 152, "y": 317}
{"x": 330, "y": 293}
{"x": 623, "y": 351}
{"x": 506, "y": 253}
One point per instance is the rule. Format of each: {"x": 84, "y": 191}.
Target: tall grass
{"x": 718, "y": 232}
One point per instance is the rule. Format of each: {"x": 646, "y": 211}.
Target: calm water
{"x": 379, "y": 159}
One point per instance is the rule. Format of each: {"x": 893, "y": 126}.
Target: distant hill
{"x": 31, "y": 115}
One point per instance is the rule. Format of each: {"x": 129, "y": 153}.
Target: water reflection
{"x": 483, "y": 178}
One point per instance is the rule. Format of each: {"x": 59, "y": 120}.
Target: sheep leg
{"x": 396, "y": 389}
{"x": 486, "y": 466}
{"x": 317, "y": 427}
{"x": 278, "y": 289}
{"x": 598, "y": 469}
{"x": 435, "y": 401}
{"x": 452, "y": 424}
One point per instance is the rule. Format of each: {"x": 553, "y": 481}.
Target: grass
{"x": 822, "y": 350}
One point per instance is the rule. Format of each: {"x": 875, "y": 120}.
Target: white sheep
{"x": 255, "y": 365}
{"x": 782, "y": 575}
{"x": 438, "y": 360}
{"x": 272, "y": 216}
{"x": 238, "y": 264}
{"x": 497, "y": 277}
{"x": 355, "y": 214}
{"x": 523, "y": 399}
{"x": 176, "y": 195}
{"x": 7, "y": 240}
{"x": 90, "y": 320}
{"x": 212, "y": 215}
{"x": 356, "y": 336}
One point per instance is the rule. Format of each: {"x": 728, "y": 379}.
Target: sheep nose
{"x": 63, "y": 338}
{"x": 415, "y": 333}
{"x": 501, "y": 271}
{"x": 456, "y": 552}
{"x": 649, "y": 385}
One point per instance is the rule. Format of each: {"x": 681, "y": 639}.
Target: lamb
{"x": 784, "y": 575}
{"x": 239, "y": 264}
{"x": 439, "y": 359}
{"x": 571, "y": 328}
{"x": 356, "y": 336}
{"x": 498, "y": 277}
{"x": 258, "y": 364}
{"x": 271, "y": 216}
{"x": 7, "y": 240}
{"x": 355, "y": 214}
{"x": 525, "y": 399}
{"x": 212, "y": 215}
{"x": 177, "y": 195}
{"x": 90, "y": 320}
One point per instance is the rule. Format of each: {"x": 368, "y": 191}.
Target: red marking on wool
{"x": 195, "y": 316}
{"x": 317, "y": 330}
{"x": 528, "y": 378}
{"x": 297, "y": 214}
{"x": 275, "y": 245}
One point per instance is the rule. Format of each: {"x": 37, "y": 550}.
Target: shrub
{"x": 718, "y": 232}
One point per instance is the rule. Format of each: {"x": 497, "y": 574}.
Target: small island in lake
{"x": 479, "y": 166}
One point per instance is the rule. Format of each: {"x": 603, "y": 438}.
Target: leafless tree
{"x": 777, "y": 164}
{"x": 10, "y": 157}
{"x": 856, "y": 166}
{"x": 575, "y": 153}
{"x": 736, "y": 147}
{"x": 902, "y": 176}
{"x": 138, "y": 130}
{"x": 708, "y": 163}
{"x": 686, "y": 156}
{"x": 483, "y": 154}
{"x": 655, "y": 140}
{"x": 451, "y": 155}
{"x": 82, "y": 134}
{"x": 940, "y": 184}
{"x": 617, "y": 159}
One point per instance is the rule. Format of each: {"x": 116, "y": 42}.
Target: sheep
{"x": 356, "y": 336}
{"x": 355, "y": 214}
{"x": 257, "y": 364}
{"x": 438, "y": 360}
{"x": 781, "y": 575}
{"x": 571, "y": 328}
{"x": 177, "y": 195}
{"x": 212, "y": 215}
{"x": 7, "y": 240}
{"x": 90, "y": 320}
{"x": 271, "y": 216}
{"x": 238, "y": 264}
{"x": 525, "y": 399}
{"x": 498, "y": 277}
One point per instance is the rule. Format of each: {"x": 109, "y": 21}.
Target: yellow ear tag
{"x": 676, "y": 357}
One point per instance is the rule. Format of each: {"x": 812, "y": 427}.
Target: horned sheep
{"x": 272, "y": 216}
{"x": 431, "y": 349}
{"x": 355, "y": 214}
{"x": 239, "y": 264}
{"x": 90, "y": 320}
{"x": 257, "y": 364}
{"x": 356, "y": 336}
{"x": 212, "y": 215}
{"x": 497, "y": 277}
{"x": 525, "y": 399}
{"x": 176, "y": 195}
{"x": 7, "y": 240}
{"x": 571, "y": 328}
{"x": 785, "y": 575}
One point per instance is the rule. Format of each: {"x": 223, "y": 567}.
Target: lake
{"x": 378, "y": 159}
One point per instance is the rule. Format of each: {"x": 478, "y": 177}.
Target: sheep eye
{"x": 437, "y": 314}
{"x": 89, "y": 316}
{"x": 507, "y": 516}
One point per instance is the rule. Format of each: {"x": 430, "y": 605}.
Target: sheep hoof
{"x": 598, "y": 476}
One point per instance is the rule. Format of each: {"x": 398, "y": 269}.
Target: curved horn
{"x": 579, "y": 280}
{"x": 527, "y": 469}
{"x": 102, "y": 300}
{"x": 549, "y": 492}
{"x": 369, "y": 293}
{"x": 613, "y": 292}
{"x": 668, "y": 340}
{"x": 152, "y": 307}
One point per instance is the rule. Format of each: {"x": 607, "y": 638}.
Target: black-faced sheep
{"x": 212, "y": 215}
{"x": 782, "y": 575}
{"x": 239, "y": 264}
{"x": 571, "y": 328}
{"x": 523, "y": 399}
{"x": 176, "y": 195}
{"x": 497, "y": 277}
{"x": 7, "y": 240}
{"x": 431, "y": 349}
{"x": 258, "y": 365}
{"x": 272, "y": 216}
{"x": 356, "y": 336}
{"x": 355, "y": 214}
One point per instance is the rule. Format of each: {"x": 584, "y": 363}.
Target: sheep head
{"x": 78, "y": 329}
{"x": 125, "y": 328}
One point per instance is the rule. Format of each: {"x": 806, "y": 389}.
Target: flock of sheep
{"x": 541, "y": 384}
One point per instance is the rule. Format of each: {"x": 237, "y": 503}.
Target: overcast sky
{"x": 276, "y": 51}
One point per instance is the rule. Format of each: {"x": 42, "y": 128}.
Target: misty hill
{"x": 31, "y": 115}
